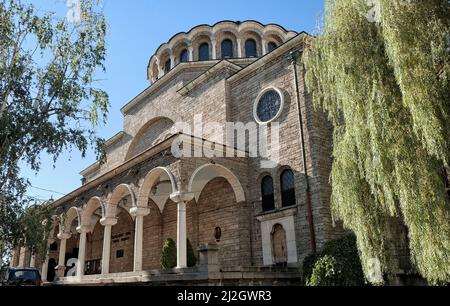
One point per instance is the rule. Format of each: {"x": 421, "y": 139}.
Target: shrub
{"x": 191, "y": 259}
{"x": 337, "y": 265}
{"x": 327, "y": 271}
{"x": 169, "y": 254}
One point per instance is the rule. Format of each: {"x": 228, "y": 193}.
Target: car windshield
{"x": 24, "y": 275}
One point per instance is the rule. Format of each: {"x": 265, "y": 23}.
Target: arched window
{"x": 227, "y": 49}
{"x": 272, "y": 46}
{"x": 250, "y": 48}
{"x": 184, "y": 56}
{"x": 268, "y": 200}
{"x": 203, "y": 52}
{"x": 287, "y": 188}
{"x": 167, "y": 65}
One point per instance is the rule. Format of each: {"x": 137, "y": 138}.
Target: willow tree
{"x": 382, "y": 73}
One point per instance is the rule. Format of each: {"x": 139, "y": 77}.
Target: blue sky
{"x": 136, "y": 29}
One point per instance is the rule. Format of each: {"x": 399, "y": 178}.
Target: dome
{"x": 224, "y": 40}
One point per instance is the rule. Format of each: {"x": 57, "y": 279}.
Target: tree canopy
{"x": 48, "y": 98}
{"x": 384, "y": 80}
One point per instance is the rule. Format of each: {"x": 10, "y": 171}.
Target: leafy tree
{"x": 385, "y": 83}
{"x": 47, "y": 94}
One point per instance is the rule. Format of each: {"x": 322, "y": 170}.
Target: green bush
{"x": 191, "y": 259}
{"x": 169, "y": 254}
{"x": 337, "y": 265}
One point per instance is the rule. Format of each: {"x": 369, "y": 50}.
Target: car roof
{"x": 23, "y": 269}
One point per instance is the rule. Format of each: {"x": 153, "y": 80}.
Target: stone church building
{"x": 247, "y": 222}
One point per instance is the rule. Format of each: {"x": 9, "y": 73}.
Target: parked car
{"x": 21, "y": 277}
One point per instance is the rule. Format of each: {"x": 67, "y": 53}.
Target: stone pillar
{"x": 160, "y": 70}
{"x": 191, "y": 53}
{"x": 181, "y": 199}
{"x": 264, "y": 47}
{"x": 172, "y": 60}
{"x": 213, "y": 49}
{"x": 23, "y": 257}
{"x": 83, "y": 230}
{"x": 139, "y": 213}
{"x": 208, "y": 260}
{"x": 32, "y": 260}
{"x": 108, "y": 223}
{"x": 239, "y": 47}
{"x": 44, "y": 270}
{"x": 61, "y": 268}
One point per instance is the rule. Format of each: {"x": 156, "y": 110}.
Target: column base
{"x": 60, "y": 271}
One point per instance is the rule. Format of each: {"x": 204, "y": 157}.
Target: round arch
{"x": 151, "y": 180}
{"x": 92, "y": 205}
{"x": 203, "y": 174}
{"x": 149, "y": 133}
{"x": 118, "y": 194}
{"x": 72, "y": 214}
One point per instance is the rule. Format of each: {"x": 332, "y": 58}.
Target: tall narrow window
{"x": 203, "y": 52}
{"x": 227, "y": 49}
{"x": 184, "y": 56}
{"x": 167, "y": 66}
{"x": 250, "y": 48}
{"x": 287, "y": 188}
{"x": 268, "y": 200}
{"x": 272, "y": 46}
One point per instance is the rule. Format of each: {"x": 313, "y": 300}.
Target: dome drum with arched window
{"x": 224, "y": 40}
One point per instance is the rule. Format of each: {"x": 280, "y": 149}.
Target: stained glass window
{"x": 272, "y": 46}
{"x": 184, "y": 56}
{"x": 287, "y": 188}
{"x": 227, "y": 49}
{"x": 268, "y": 200}
{"x": 268, "y": 106}
{"x": 203, "y": 52}
{"x": 250, "y": 48}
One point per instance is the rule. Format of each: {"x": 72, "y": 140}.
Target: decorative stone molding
{"x": 108, "y": 221}
{"x": 139, "y": 211}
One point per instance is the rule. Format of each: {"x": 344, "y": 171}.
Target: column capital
{"x": 83, "y": 229}
{"x": 139, "y": 211}
{"x": 108, "y": 221}
{"x": 180, "y": 196}
{"x": 64, "y": 236}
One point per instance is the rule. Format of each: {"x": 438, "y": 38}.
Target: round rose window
{"x": 268, "y": 105}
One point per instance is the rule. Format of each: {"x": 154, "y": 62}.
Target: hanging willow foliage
{"x": 386, "y": 87}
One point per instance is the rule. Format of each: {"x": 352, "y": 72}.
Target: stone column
{"x": 181, "y": 199}
{"x": 83, "y": 230}
{"x": 108, "y": 223}
{"x": 264, "y": 47}
{"x": 213, "y": 49}
{"x": 32, "y": 260}
{"x": 160, "y": 70}
{"x": 139, "y": 213}
{"x": 61, "y": 268}
{"x": 239, "y": 47}
{"x": 191, "y": 53}
{"x": 172, "y": 60}
{"x": 44, "y": 268}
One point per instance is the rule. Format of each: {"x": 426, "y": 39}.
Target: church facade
{"x": 223, "y": 154}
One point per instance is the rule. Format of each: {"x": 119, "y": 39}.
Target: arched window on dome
{"x": 227, "y": 49}
{"x": 203, "y": 52}
{"x": 184, "y": 56}
{"x": 167, "y": 66}
{"x": 250, "y": 48}
{"x": 272, "y": 46}
{"x": 287, "y": 188}
{"x": 268, "y": 199}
